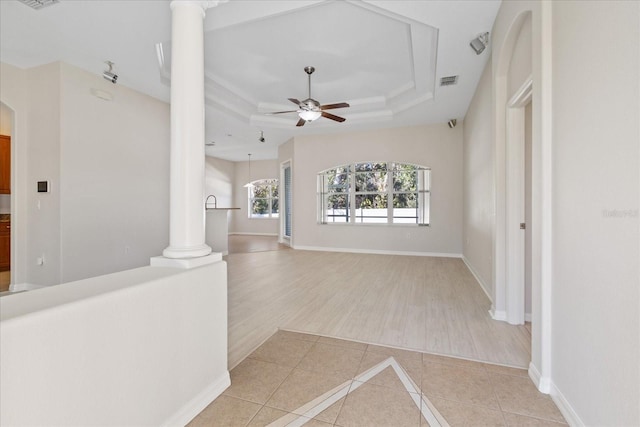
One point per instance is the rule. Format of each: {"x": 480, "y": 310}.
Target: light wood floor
{"x": 422, "y": 303}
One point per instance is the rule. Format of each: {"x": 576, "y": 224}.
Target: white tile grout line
{"x": 324, "y": 401}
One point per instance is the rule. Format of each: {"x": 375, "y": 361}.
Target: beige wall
{"x": 219, "y": 181}
{"x": 43, "y": 164}
{"x": 596, "y": 331}
{"x": 107, "y": 163}
{"x": 114, "y": 170}
{"x": 478, "y": 183}
{"x": 434, "y": 146}
{"x": 586, "y": 329}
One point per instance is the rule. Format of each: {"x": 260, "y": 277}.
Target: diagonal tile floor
{"x": 298, "y": 379}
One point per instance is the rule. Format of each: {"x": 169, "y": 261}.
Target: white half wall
{"x": 140, "y": 347}
{"x": 435, "y": 146}
{"x": 220, "y": 181}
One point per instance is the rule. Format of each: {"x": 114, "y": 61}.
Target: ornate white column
{"x": 187, "y": 164}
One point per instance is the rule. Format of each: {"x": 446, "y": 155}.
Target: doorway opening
{"x": 518, "y": 205}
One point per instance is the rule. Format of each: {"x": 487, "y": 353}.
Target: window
{"x": 263, "y": 199}
{"x": 374, "y": 193}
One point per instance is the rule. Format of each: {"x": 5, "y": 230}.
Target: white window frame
{"x": 423, "y": 195}
{"x": 251, "y": 198}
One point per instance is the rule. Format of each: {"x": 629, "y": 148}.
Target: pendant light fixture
{"x": 249, "y": 184}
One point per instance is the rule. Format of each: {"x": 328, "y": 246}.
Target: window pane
{"x": 337, "y": 208}
{"x": 371, "y": 208}
{"x": 405, "y": 200}
{"x": 366, "y": 167}
{"x": 274, "y": 190}
{"x": 274, "y": 206}
{"x": 337, "y": 181}
{"x": 260, "y": 207}
{"x": 261, "y": 191}
{"x": 405, "y": 180}
{"x": 371, "y": 181}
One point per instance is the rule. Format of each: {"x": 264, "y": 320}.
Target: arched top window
{"x": 374, "y": 193}
{"x": 263, "y": 198}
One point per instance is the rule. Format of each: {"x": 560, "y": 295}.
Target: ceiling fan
{"x": 310, "y": 109}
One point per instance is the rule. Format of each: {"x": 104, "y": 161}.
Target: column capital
{"x": 203, "y": 4}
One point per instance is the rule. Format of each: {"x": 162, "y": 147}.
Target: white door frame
{"x": 514, "y": 204}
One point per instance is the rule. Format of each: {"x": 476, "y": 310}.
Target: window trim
{"x": 250, "y": 199}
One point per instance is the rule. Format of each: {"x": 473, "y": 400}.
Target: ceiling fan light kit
{"x": 310, "y": 109}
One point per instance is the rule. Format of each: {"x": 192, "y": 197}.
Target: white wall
{"x": 596, "y": 332}
{"x": 479, "y": 196}
{"x": 219, "y": 180}
{"x": 241, "y": 224}
{"x": 114, "y": 177}
{"x": 115, "y": 350}
{"x": 434, "y": 146}
{"x": 107, "y": 163}
{"x": 43, "y": 164}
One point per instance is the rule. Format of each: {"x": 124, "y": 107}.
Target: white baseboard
{"x": 201, "y": 401}
{"x": 241, "y": 233}
{"x": 25, "y": 287}
{"x": 500, "y": 315}
{"x": 483, "y": 285}
{"x": 376, "y": 252}
{"x": 565, "y": 408}
{"x": 542, "y": 383}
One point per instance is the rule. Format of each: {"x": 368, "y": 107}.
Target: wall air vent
{"x": 448, "y": 81}
{"x": 38, "y": 4}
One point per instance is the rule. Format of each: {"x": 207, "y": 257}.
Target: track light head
{"x": 452, "y": 123}
{"x": 109, "y": 74}
{"x": 480, "y": 43}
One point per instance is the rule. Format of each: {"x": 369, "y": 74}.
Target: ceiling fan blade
{"x": 301, "y": 122}
{"x": 282, "y": 112}
{"x": 334, "y": 106}
{"x": 295, "y": 101}
{"x": 333, "y": 117}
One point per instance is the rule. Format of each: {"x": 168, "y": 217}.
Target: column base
{"x": 186, "y": 263}
{"x": 189, "y": 252}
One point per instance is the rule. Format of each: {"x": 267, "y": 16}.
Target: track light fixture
{"x": 109, "y": 74}
{"x": 261, "y": 139}
{"x": 452, "y": 123}
{"x": 480, "y": 43}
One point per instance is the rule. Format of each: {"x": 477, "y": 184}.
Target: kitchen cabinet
{"x": 5, "y": 164}
{"x": 5, "y": 245}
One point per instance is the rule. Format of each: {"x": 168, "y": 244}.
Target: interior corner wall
{"x": 596, "y": 325}
{"x": 435, "y": 146}
{"x": 478, "y": 183}
{"x": 114, "y": 176}
{"x": 241, "y": 223}
{"x": 13, "y": 94}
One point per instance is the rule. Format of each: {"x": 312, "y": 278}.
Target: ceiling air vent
{"x": 38, "y": 4}
{"x": 448, "y": 81}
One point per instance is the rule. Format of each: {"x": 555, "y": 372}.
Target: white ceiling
{"x": 385, "y": 58}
